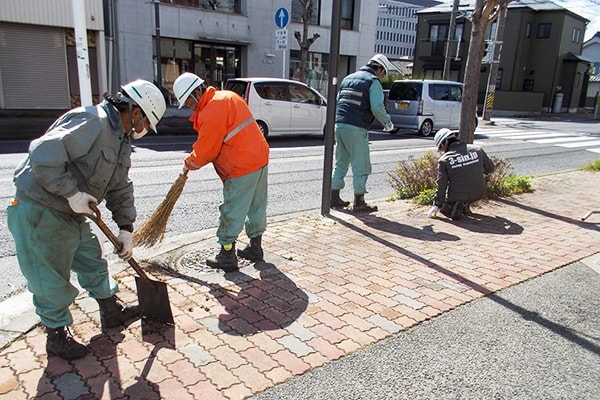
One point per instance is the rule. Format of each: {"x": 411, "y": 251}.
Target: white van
{"x": 424, "y": 105}
{"x": 282, "y": 106}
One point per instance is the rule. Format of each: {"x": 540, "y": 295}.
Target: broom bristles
{"x": 153, "y": 230}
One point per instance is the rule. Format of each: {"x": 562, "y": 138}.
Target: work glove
{"x": 389, "y": 126}
{"x": 126, "y": 240}
{"x": 433, "y": 211}
{"x": 80, "y": 203}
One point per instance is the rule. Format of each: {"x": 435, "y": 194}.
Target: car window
{"x": 238, "y": 87}
{"x": 272, "y": 91}
{"x": 302, "y": 94}
{"x": 455, "y": 93}
{"x": 439, "y": 92}
{"x": 405, "y": 91}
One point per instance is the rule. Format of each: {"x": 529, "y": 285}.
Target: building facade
{"x": 591, "y": 51}
{"x": 540, "y": 54}
{"x": 217, "y": 40}
{"x": 397, "y": 27}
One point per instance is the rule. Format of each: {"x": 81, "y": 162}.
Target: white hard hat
{"x": 441, "y": 136}
{"x": 147, "y": 96}
{"x": 383, "y": 61}
{"x": 184, "y": 85}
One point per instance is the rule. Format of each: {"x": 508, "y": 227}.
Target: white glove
{"x": 80, "y": 203}
{"x": 126, "y": 240}
{"x": 433, "y": 212}
{"x": 388, "y": 127}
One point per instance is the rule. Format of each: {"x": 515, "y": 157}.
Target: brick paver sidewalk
{"x": 329, "y": 287}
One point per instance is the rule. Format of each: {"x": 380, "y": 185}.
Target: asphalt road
{"x": 537, "y": 340}
{"x": 295, "y": 174}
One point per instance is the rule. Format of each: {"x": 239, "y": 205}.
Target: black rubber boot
{"x": 225, "y": 260}
{"x": 113, "y": 313}
{"x": 336, "y": 201}
{"x": 360, "y": 206}
{"x": 253, "y": 252}
{"x": 60, "y": 342}
{"x": 457, "y": 211}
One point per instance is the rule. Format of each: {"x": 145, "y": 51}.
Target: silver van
{"x": 424, "y": 105}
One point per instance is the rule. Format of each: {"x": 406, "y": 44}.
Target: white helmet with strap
{"x": 184, "y": 85}
{"x": 147, "y": 96}
{"x": 441, "y": 136}
{"x": 384, "y": 62}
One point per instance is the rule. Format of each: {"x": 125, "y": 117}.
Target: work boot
{"x": 457, "y": 211}
{"x": 336, "y": 201}
{"x": 60, "y": 342}
{"x": 253, "y": 252}
{"x": 225, "y": 260}
{"x": 360, "y": 206}
{"x": 113, "y": 313}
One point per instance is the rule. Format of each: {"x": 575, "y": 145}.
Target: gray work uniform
{"x": 85, "y": 150}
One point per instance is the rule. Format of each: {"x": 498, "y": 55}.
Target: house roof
{"x": 576, "y": 57}
{"x": 535, "y": 5}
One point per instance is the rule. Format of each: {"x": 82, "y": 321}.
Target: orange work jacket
{"x": 227, "y": 136}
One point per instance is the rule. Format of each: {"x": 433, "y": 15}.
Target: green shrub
{"x": 593, "y": 166}
{"x": 415, "y": 179}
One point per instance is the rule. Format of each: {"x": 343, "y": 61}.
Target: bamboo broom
{"x": 153, "y": 230}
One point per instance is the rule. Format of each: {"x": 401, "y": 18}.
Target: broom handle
{"x": 115, "y": 241}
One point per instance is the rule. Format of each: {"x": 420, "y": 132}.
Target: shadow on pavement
{"x": 490, "y": 293}
{"x": 386, "y": 225}
{"x": 577, "y": 222}
{"x": 269, "y": 303}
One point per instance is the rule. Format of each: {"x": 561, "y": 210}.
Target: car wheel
{"x": 263, "y": 128}
{"x": 426, "y": 128}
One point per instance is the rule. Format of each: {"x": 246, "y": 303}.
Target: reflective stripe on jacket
{"x": 220, "y": 113}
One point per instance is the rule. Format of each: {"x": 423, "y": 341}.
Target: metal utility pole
{"x": 448, "y": 52}
{"x": 157, "y": 38}
{"x": 332, "y": 89}
{"x": 83, "y": 57}
{"x": 490, "y": 95}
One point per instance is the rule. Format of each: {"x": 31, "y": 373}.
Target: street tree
{"x": 484, "y": 13}
{"x": 302, "y": 38}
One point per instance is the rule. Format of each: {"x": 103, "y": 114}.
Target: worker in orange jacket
{"x": 230, "y": 139}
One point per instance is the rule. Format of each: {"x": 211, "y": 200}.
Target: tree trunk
{"x": 484, "y": 13}
{"x": 472, "y": 74}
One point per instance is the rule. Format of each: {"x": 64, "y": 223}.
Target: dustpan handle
{"x": 115, "y": 241}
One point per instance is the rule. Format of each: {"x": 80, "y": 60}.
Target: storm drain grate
{"x": 194, "y": 262}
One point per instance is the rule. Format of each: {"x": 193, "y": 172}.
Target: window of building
{"x": 543, "y": 31}
{"x": 528, "y": 30}
{"x": 576, "y": 35}
{"x": 347, "y": 17}
{"x": 225, "y": 6}
{"x": 438, "y": 33}
{"x": 499, "y": 78}
{"x": 298, "y": 9}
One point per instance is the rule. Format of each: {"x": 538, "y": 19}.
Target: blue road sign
{"x": 282, "y": 17}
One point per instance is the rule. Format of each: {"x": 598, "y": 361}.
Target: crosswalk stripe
{"x": 593, "y": 142}
{"x": 560, "y": 139}
{"x": 534, "y": 135}
{"x": 595, "y": 150}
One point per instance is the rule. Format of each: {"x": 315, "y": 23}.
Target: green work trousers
{"x": 244, "y": 206}
{"x": 351, "y": 149}
{"x": 49, "y": 246}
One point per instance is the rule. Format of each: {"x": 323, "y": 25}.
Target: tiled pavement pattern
{"x": 329, "y": 287}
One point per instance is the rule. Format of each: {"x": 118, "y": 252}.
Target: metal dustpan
{"x": 153, "y": 297}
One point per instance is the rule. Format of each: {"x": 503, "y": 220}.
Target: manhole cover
{"x": 194, "y": 262}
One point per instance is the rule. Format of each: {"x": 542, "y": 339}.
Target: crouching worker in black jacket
{"x": 460, "y": 177}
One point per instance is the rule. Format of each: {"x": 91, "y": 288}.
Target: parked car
{"x": 282, "y": 106}
{"x": 425, "y": 105}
